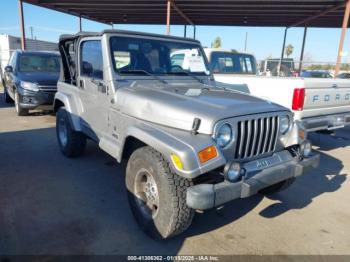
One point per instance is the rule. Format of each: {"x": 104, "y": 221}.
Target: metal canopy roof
{"x": 205, "y": 12}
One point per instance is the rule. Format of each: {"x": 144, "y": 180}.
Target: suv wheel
{"x": 7, "y": 98}
{"x": 19, "y": 110}
{"x": 71, "y": 142}
{"x": 278, "y": 187}
{"x": 157, "y": 196}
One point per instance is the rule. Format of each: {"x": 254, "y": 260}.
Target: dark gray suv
{"x": 30, "y": 80}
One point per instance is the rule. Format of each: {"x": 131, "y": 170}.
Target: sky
{"x": 321, "y": 43}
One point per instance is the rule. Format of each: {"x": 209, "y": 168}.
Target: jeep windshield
{"x": 135, "y": 56}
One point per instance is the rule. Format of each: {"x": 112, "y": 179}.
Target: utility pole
{"x": 246, "y": 42}
{"x": 31, "y": 32}
{"x": 21, "y": 19}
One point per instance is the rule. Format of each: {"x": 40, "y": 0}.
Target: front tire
{"x": 71, "y": 142}
{"x": 19, "y": 110}
{"x": 7, "y": 98}
{"x": 157, "y": 196}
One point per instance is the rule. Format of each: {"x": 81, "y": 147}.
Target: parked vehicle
{"x": 344, "y": 76}
{"x": 315, "y": 74}
{"x": 317, "y": 104}
{"x": 269, "y": 67}
{"x": 188, "y": 145}
{"x": 30, "y": 80}
{"x": 9, "y": 44}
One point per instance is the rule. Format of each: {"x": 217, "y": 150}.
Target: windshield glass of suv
{"x": 39, "y": 63}
{"x": 159, "y": 57}
{"x": 231, "y": 63}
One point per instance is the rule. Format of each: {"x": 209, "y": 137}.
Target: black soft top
{"x": 70, "y": 58}
{"x": 123, "y": 32}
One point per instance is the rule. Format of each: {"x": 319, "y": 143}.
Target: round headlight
{"x": 224, "y": 135}
{"x": 284, "y": 124}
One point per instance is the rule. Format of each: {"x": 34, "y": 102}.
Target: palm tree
{"x": 289, "y": 50}
{"x": 216, "y": 43}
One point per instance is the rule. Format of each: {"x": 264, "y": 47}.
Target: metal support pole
{"x": 185, "y": 30}
{"x": 342, "y": 37}
{"x": 80, "y": 25}
{"x": 282, "y": 54}
{"x": 246, "y": 41}
{"x": 168, "y": 17}
{"x": 194, "y": 32}
{"x": 23, "y": 30}
{"x": 302, "y": 51}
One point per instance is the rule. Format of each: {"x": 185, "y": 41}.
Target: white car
{"x": 318, "y": 104}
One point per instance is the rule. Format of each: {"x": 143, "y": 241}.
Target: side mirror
{"x": 8, "y": 69}
{"x": 87, "y": 69}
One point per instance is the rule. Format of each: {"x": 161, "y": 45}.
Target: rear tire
{"x": 71, "y": 142}
{"x": 157, "y": 196}
{"x": 19, "y": 110}
{"x": 278, "y": 187}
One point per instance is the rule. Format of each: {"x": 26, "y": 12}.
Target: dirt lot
{"x": 53, "y": 205}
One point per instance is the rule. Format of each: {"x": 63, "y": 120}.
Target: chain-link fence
{"x": 290, "y": 67}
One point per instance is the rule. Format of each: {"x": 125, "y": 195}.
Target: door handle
{"x": 81, "y": 84}
{"x": 102, "y": 88}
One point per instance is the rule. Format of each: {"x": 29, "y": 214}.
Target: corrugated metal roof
{"x": 204, "y": 12}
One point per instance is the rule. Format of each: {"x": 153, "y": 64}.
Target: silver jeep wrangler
{"x": 189, "y": 145}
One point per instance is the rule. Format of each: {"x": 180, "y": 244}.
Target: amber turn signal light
{"x": 207, "y": 154}
{"x": 302, "y": 134}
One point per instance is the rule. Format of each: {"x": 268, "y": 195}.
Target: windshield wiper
{"x": 144, "y": 72}
{"x": 189, "y": 74}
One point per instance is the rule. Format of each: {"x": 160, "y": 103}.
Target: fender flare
{"x": 67, "y": 101}
{"x": 167, "y": 144}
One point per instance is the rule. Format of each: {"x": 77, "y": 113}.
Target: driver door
{"x": 92, "y": 88}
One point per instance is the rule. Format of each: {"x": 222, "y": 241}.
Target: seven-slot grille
{"x": 256, "y": 136}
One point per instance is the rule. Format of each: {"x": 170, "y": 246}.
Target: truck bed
{"x": 322, "y": 96}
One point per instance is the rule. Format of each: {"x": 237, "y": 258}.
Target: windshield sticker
{"x": 193, "y": 92}
{"x": 196, "y": 64}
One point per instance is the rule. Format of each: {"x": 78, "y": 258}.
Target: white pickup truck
{"x": 318, "y": 104}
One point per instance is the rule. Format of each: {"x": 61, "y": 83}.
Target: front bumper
{"x": 283, "y": 166}
{"x": 36, "y": 100}
{"x": 328, "y": 122}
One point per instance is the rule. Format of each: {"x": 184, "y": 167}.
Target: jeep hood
{"x": 177, "y": 107}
